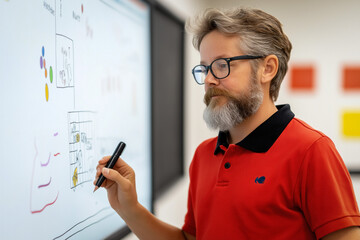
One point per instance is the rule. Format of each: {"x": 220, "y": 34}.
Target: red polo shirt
{"x": 285, "y": 180}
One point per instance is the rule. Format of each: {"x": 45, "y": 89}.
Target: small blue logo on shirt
{"x": 260, "y": 180}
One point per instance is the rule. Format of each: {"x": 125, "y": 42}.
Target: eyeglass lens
{"x": 219, "y": 68}
{"x": 200, "y": 73}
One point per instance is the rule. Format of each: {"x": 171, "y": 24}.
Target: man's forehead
{"x": 219, "y": 45}
{"x": 218, "y": 37}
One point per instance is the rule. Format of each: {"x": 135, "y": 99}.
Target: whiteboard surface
{"x": 75, "y": 80}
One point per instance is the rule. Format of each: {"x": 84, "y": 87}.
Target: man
{"x": 267, "y": 175}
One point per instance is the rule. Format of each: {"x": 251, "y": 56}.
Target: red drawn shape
{"x": 49, "y": 204}
{"x": 45, "y": 185}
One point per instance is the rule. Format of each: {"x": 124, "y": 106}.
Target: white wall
{"x": 325, "y": 33}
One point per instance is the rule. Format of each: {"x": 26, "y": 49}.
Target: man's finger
{"x": 115, "y": 176}
{"x": 104, "y": 160}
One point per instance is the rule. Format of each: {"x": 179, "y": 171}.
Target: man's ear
{"x": 270, "y": 68}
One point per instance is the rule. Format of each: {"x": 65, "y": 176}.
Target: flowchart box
{"x": 64, "y": 61}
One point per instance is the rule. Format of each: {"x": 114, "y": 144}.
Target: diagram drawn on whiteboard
{"x": 81, "y": 147}
{"x": 64, "y": 61}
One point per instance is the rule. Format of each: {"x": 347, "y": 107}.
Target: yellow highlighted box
{"x": 351, "y": 123}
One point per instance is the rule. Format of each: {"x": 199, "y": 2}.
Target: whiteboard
{"x": 75, "y": 81}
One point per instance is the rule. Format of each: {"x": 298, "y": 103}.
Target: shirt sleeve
{"x": 325, "y": 192}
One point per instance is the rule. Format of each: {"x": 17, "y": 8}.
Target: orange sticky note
{"x": 351, "y": 78}
{"x": 302, "y": 78}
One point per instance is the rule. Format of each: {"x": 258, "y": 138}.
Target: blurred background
{"x": 322, "y": 85}
{"x": 134, "y": 58}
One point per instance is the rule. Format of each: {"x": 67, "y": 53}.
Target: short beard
{"x": 235, "y": 110}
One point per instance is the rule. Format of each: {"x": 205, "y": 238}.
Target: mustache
{"x": 214, "y": 92}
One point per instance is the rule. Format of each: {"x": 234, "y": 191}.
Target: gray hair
{"x": 259, "y": 33}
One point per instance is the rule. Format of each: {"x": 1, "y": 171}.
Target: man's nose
{"x": 210, "y": 80}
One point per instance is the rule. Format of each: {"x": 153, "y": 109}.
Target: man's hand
{"x": 121, "y": 190}
{"x": 120, "y": 185}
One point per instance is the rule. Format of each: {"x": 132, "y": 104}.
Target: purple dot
{"x": 41, "y": 62}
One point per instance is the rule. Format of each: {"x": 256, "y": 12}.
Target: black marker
{"x": 111, "y": 163}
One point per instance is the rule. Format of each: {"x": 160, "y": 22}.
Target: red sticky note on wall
{"x": 351, "y": 78}
{"x": 302, "y": 77}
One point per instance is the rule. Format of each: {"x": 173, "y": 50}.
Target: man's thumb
{"x": 113, "y": 175}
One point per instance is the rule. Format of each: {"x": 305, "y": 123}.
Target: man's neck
{"x": 238, "y": 133}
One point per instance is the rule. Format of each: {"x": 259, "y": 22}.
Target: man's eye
{"x": 223, "y": 65}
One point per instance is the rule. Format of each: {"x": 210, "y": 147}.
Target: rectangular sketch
{"x": 81, "y": 147}
{"x": 64, "y": 61}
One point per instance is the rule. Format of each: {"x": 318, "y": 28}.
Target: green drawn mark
{"x": 51, "y": 74}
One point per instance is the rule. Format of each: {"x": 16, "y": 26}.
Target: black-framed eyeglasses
{"x": 220, "y": 68}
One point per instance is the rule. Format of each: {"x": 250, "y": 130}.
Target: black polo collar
{"x": 264, "y": 136}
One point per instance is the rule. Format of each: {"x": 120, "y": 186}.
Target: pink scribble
{"x": 45, "y": 185}
{"x": 47, "y": 163}
{"x": 49, "y": 204}
{"x": 32, "y": 182}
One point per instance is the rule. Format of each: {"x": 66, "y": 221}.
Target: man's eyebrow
{"x": 217, "y": 57}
